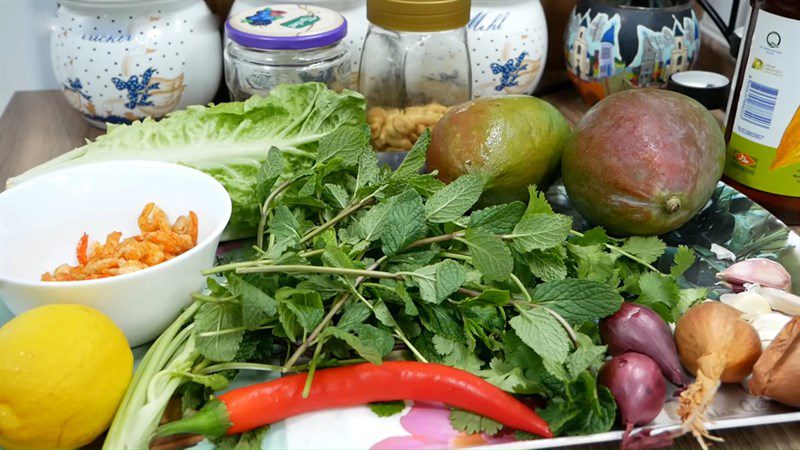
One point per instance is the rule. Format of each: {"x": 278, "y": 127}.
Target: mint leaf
{"x": 257, "y": 306}
{"x": 578, "y": 300}
{"x": 647, "y": 249}
{"x": 371, "y": 224}
{"x": 684, "y": 258}
{"x": 346, "y": 143}
{"x": 472, "y": 423}
{"x": 537, "y": 203}
{"x": 354, "y": 314}
{"x": 425, "y": 184}
{"x": 405, "y": 222}
{"x": 438, "y": 281}
{"x": 214, "y": 318}
{"x": 387, "y": 409}
{"x": 489, "y": 297}
{"x": 364, "y": 350}
{"x": 499, "y": 219}
{"x": 439, "y": 319}
{"x": 336, "y": 195}
{"x": 456, "y": 354}
{"x": 368, "y": 171}
{"x": 586, "y": 356}
{"x": 455, "y": 199}
{"x": 298, "y": 310}
{"x": 415, "y": 159}
{"x": 375, "y": 338}
{"x": 284, "y": 226}
{"x": 383, "y": 314}
{"x": 540, "y": 231}
{"x": 548, "y": 265}
{"x": 585, "y": 408}
{"x": 542, "y": 332}
{"x": 336, "y": 257}
{"x": 268, "y": 173}
{"x": 490, "y": 255}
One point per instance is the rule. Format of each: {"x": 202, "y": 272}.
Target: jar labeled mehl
{"x": 280, "y": 44}
{"x": 414, "y": 66}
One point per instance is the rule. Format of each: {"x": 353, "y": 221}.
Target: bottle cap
{"x": 418, "y": 15}
{"x": 286, "y": 27}
{"x": 709, "y": 88}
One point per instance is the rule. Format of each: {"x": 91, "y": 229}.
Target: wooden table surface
{"x": 39, "y": 125}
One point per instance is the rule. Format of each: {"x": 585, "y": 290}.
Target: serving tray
{"x": 730, "y": 220}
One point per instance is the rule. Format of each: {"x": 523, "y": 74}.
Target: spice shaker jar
{"x": 285, "y": 44}
{"x": 125, "y": 60}
{"x": 415, "y": 65}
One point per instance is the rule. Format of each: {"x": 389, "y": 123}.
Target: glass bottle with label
{"x": 414, "y": 66}
{"x": 763, "y": 124}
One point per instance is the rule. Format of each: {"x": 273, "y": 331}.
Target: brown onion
{"x": 776, "y": 374}
{"x": 714, "y": 344}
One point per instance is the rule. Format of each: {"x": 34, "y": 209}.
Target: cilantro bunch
{"x": 356, "y": 262}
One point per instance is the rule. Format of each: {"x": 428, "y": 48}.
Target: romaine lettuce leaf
{"x": 228, "y": 141}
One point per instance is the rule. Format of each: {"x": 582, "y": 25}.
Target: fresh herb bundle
{"x": 356, "y": 262}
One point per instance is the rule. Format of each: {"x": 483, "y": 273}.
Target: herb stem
{"x": 256, "y": 263}
{"x": 522, "y": 288}
{"x": 233, "y": 330}
{"x": 319, "y": 270}
{"x": 328, "y": 317}
{"x": 468, "y": 292}
{"x": 240, "y": 366}
{"x": 435, "y": 239}
{"x": 564, "y": 323}
{"x": 209, "y": 299}
{"x": 622, "y": 252}
{"x": 262, "y": 223}
{"x": 460, "y": 256}
{"x": 399, "y": 334}
{"x": 312, "y": 367}
{"x": 338, "y": 218}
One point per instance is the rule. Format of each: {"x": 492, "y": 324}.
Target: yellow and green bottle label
{"x": 764, "y": 148}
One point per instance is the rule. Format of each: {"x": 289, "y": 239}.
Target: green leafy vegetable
{"x": 387, "y": 409}
{"x": 471, "y": 423}
{"x": 454, "y": 200}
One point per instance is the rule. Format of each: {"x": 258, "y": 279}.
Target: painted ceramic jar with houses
{"x": 611, "y": 45}
{"x": 120, "y": 60}
{"x": 508, "y": 46}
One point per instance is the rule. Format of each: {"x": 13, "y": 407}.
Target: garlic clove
{"x": 722, "y": 253}
{"x": 768, "y": 326}
{"x": 750, "y": 303}
{"x": 778, "y": 300}
{"x": 762, "y": 271}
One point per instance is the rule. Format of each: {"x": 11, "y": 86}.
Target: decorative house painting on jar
{"x": 603, "y": 56}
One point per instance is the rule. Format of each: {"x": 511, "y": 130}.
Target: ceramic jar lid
{"x": 286, "y": 27}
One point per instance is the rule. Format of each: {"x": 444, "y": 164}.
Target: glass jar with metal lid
{"x": 414, "y": 66}
{"x": 281, "y": 44}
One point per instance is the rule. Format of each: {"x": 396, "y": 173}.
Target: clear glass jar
{"x": 415, "y": 65}
{"x": 266, "y": 49}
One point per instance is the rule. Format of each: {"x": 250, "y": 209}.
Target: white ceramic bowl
{"x": 41, "y": 221}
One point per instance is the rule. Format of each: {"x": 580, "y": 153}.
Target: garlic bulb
{"x": 778, "y": 300}
{"x": 768, "y": 326}
{"x": 762, "y": 271}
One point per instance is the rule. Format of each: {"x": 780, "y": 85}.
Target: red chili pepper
{"x": 83, "y": 244}
{"x": 265, "y": 403}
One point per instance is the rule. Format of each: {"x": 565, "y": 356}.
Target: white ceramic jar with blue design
{"x": 508, "y": 46}
{"x": 119, "y": 61}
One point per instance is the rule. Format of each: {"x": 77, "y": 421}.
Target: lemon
{"x": 63, "y": 372}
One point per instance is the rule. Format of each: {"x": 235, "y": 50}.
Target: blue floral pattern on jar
{"x": 138, "y": 91}
{"x": 264, "y": 17}
{"x": 510, "y": 71}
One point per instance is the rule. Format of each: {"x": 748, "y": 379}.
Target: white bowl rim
{"x": 139, "y": 273}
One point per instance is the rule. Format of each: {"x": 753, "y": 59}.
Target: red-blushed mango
{"x": 513, "y": 141}
{"x": 643, "y": 161}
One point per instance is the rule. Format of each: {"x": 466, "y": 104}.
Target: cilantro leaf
{"x": 249, "y": 440}
{"x": 659, "y": 293}
{"x": 472, "y": 423}
{"x": 405, "y": 222}
{"x": 648, "y": 249}
{"x": 542, "y": 332}
{"x": 257, "y": 306}
{"x": 415, "y": 159}
{"x": 585, "y": 408}
{"x": 540, "y": 231}
{"x": 456, "y": 354}
{"x": 594, "y": 236}
{"x": 489, "y": 254}
{"x": 537, "y": 203}
{"x": 686, "y": 299}
{"x": 592, "y": 261}
{"x": 455, "y": 199}
{"x": 498, "y": 219}
{"x": 578, "y": 300}
{"x": 387, "y": 409}
{"x": 586, "y": 356}
{"x": 684, "y": 259}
